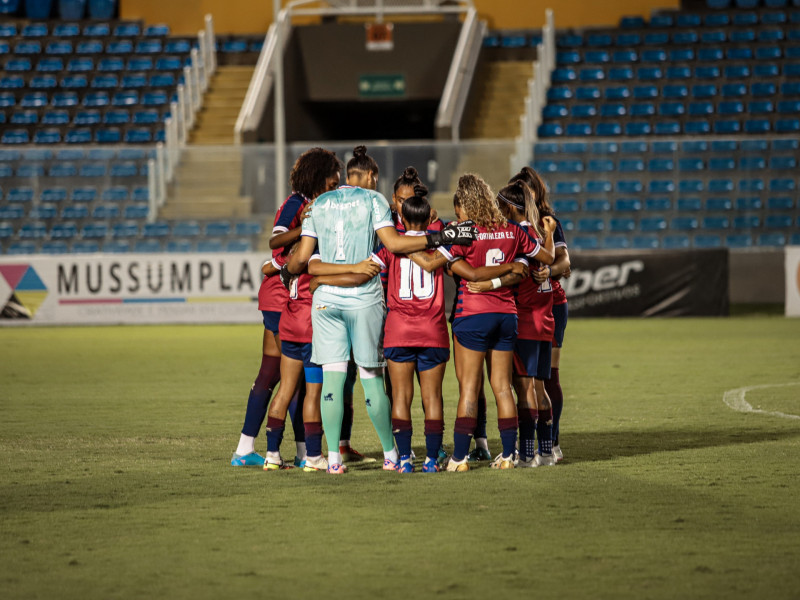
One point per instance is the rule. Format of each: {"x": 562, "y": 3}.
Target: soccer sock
{"x": 275, "y": 429}
{"x": 296, "y": 411}
{"x": 508, "y": 435}
{"x": 544, "y": 431}
{"x": 553, "y": 387}
{"x": 313, "y": 439}
{"x": 331, "y": 408}
{"x": 527, "y": 431}
{"x": 480, "y": 423}
{"x": 347, "y": 419}
{"x": 268, "y": 376}
{"x": 379, "y": 410}
{"x": 247, "y": 445}
{"x": 402, "y": 435}
{"x": 434, "y": 433}
{"x": 462, "y": 436}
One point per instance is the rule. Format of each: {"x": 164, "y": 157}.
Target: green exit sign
{"x": 382, "y": 86}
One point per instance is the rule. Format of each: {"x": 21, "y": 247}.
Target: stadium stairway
{"x": 223, "y": 101}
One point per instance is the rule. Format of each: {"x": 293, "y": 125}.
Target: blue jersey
{"x": 345, "y": 223}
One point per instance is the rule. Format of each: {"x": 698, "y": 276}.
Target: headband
{"x": 509, "y": 202}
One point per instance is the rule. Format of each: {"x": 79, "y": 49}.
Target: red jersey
{"x": 415, "y": 302}
{"x": 272, "y": 296}
{"x": 534, "y": 306}
{"x": 295, "y": 323}
{"x": 491, "y": 248}
{"x": 559, "y": 241}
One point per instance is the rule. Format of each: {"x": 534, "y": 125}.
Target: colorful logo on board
{"x": 22, "y": 291}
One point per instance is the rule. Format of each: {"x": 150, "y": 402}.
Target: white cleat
{"x": 527, "y": 463}
{"x": 315, "y": 463}
{"x": 544, "y": 460}
{"x": 454, "y": 465}
{"x": 559, "y": 456}
{"x": 503, "y": 462}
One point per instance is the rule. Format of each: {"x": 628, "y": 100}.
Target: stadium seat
{"x": 675, "y": 242}
{"x": 661, "y": 186}
{"x": 590, "y": 225}
{"x": 579, "y": 129}
{"x": 33, "y": 231}
{"x": 748, "y": 203}
{"x": 715, "y": 222}
{"x": 706, "y": 240}
{"x": 43, "y": 212}
{"x": 781, "y": 163}
{"x": 55, "y": 194}
{"x": 689, "y": 204}
{"x": 638, "y": 128}
{"x": 628, "y": 204}
{"x": 621, "y": 225}
{"x": 642, "y": 109}
{"x": 778, "y": 221}
{"x": 598, "y": 187}
{"x": 600, "y": 165}
{"x": 685, "y": 37}
{"x": 583, "y": 111}
{"x": 644, "y": 242}
{"x": 683, "y": 223}
{"x": 660, "y": 165}
{"x": 649, "y": 73}
{"x": 707, "y": 72}
{"x": 718, "y": 203}
{"x": 15, "y": 136}
{"x": 209, "y": 246}
{"x": 771, "y": 239}
{"x": 630, "y": 165}
{"x": 169, "y": 63}
{"x": 600, "y": 205}
{"x": 564, "y": 75}
{"x": 557, "y": 93}
{"x": 620, "y": 74}
{"x": 657, "y": 204}
{"x": 787, "y": 125}
{"x": 155, "y": 98}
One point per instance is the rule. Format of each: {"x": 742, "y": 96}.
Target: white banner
{"x": 130, "y": 288}
{"x": 792, "y": 281}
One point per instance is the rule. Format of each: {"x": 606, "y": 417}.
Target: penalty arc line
{"x": 735, "y": 399}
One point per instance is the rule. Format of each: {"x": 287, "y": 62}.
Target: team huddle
{"x": 356, "y": 284}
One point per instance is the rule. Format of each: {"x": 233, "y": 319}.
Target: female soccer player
{"x": 486, "y": 324}
{"x": 560, "y": 268}
{"x": 295, "y": 333}
{"x": 534, "y": 334}
{"x": 314, "y": 172}
{"x": 346, "y": 223}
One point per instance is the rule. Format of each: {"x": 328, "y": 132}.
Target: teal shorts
{"x": 336, "y": 331}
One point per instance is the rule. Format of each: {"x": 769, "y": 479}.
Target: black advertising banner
{"x": 657, "y": 283}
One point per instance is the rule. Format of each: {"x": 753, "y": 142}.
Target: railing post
{"x": 197, "y": 94}
{"x": 161, "y": 159}
{"x": 152, "y": 189}
{"x": 203, "y": 66}
{"x": 181, "y": 112}
{"x": 211, "y": 39}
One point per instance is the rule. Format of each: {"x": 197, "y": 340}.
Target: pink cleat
{"x": 389, "y": 465}
{"x": 337, "y": 469}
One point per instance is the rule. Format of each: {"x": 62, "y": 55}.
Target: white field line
{"x": 735, "y": 399}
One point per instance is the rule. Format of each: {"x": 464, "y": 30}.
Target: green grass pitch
{"x": 115, "y": 480}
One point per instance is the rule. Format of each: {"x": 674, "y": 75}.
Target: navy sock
{"x": 480, "y": 422}
{"x": 296, "y": 411}
{"x": 462, "y": 437}
{"x": 508, "y": 434}
{"x": 434, "y": 433}
{"x": 313, "y": 435}
{"x": 527, "y": 431}
{"x": 553, "y": 387}
{"x": 402, "y": 430}
{"x": 275, "y": 429}
{"x": 544, "y": 431}
{"x": 269, "y": 374}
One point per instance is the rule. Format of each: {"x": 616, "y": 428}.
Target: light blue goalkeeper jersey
{"x": 344, "y": 222}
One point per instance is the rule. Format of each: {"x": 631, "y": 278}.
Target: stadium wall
{"x": 248, "y": 16}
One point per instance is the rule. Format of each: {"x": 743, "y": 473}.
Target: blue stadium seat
{"x": 748, "y": 203}
{"x": 30, "y": 171}
{"x": 148, "y": 47}
{"x": 679, "y": 72}
{"x": 567, "y": 188}
{"x": 630, "y": 165}
{"x": 757, "y": 126}
{"x": 579, "y": 129}
{"x": 162, "y": 80}
{"x": 642, "y": 109}
{"x": 117, "y": 247}
{"x": 105, "y": 212}
{"x": 634, "y": 147}
{"x": 638, "y": 128}
{"x": 156, "y": 98}
{"x": 590, "y": 225}
{"x": 787, "y": 144}
{"x": 676, "y": 241}
{"x": 657, "y": 203}
{"x": 628, "y": 204}
{"x": 716, "y": 222}
{"x": 701, "y": 108}
{"x": 598, "y": 187}
{"x": 667, "y": 128}
{"x": 768, "y": 53}
{"x": 43, "y": 212}
{"x": 617, "y": 92}
{"x": 787, "y": 125}
{"x": 752, "y": 163}
{"x": 136, "y": 211}
{"x": 649, "y": 73}
{"x": 62, "y": 170}
{"x": 186, "y": 229}
{"x": 545, "y": 148}
{"x": 621, "y": 224}
{"x": 557, "y": 93}
{"x": 147, "y": 246}
{"x": 710, "y": 54}
{"x": 660, "y": 165}
{"x": 602, "y": 165}
{"x": 24, "y": 117}
{"x": 125, "y": 229}
{"x": 36, "y": 100}
{"x": 545, "y": 166}
{"x": 689, "y": 204}
{"x": 554, "y": 111}
{"x": 739, "y": 53}
{"x": 661, "y": 186}
{"x": 616, "y": 242}
{"x": 690, "y": 164}
{"x": 43, "y": 82}
{"x": 168, "y": 63}
{"x": 771, "y": 239}
{"x": 564, "y": 75}
{"x": 683, "y": 223}
{"x": 214, "y": 246}
{"x": 727, "y": 126}
{"x": 644, "y": 242}
{"x": 780, "y": 162}
{"x": 697, "y": 126}
{"x": 583, "y": 111}
{"x": 612, "y": 110}
{"x": 33, "y": 231}
{"x": 704, "y": 90}
{"x": 21, "y": 248}
{"x": 714, "y": 36}
{"x": 718, "y": 203}
{"x": 707, "y": 240}
{"x": 778, "y": 221}
{"x": 653, "y": 55}
{"x": 782, "y": 185}
{"x": 174, "y": 46}
{"x": 596, "y": 57}
{"x": 716, "y": 186}
{"x": 598, "y": 40}
{"x": 15, "y": 136}
{"x": 625, "y": 56}
{"x": 54, "y": 194}
{"x": 685, "y": 37}
{"x": 789, "y": 106}
{"x": 739, "y": 240}
{"x": 551, "y": 129}
{"x": 620, "y": 74}
{"x": 688, "y": 186}
{"x": 600, "y": 205}
{"x": 568, "y": 57}
{"x": 707, "y": 72}
{"x": 83, "y": 194}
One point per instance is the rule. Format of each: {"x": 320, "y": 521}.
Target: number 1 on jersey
{"x": 339, "y": 227}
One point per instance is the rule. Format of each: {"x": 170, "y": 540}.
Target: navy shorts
{"x": 489, "y": 331}
{"x": 271, "y": 320}
{"x": 298, "y": 351}
{"x": 532, "y": 358}
{"x": 560, "y": 312}
{"x": 426, "y": 358}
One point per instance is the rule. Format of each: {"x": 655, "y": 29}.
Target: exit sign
{"x": 382, "y": 86}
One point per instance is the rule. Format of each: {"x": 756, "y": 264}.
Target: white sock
{"x": 246, "y": 445}
{"x": 482, "y": 443}
{"x": 344, "y": 443}
{"x": 391, "y": 455}
{"x": 301, "y": 449}
{"x": 334, "y": 458}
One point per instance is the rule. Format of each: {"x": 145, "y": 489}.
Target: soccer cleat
{"x": 350, "y": 454}
{"x": 247, "y": 460}
{"x": 441, "y": 459}
{"x": 274, "y": 462}
{"x": 544, "y": 460}
{"x": 405, "y": 466}
{"x": 337, "y": 469}
{"x": 390, "y": 465}
{"x": 313, "y": 464}
{"x": 503, "y": 462}
{"x": 431, "y": 465}
{"x": 479, "y": 454}
{"x": 526, "y": 462}
{"x": 458, "y": 465}
{"x": 557, "y": 454}
{"x": 299, "y": 462}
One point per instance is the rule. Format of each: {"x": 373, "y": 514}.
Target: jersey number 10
{"x": 415, "y": 282}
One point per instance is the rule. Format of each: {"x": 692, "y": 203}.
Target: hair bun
{"x": 410, "y": 174}
{"x": 420, "y": 191}
{"x": 359, "y": 151}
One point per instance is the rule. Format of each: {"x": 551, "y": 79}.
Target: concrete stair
{"x": 222, "y": 102}
{"x": 498, "y": 101}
